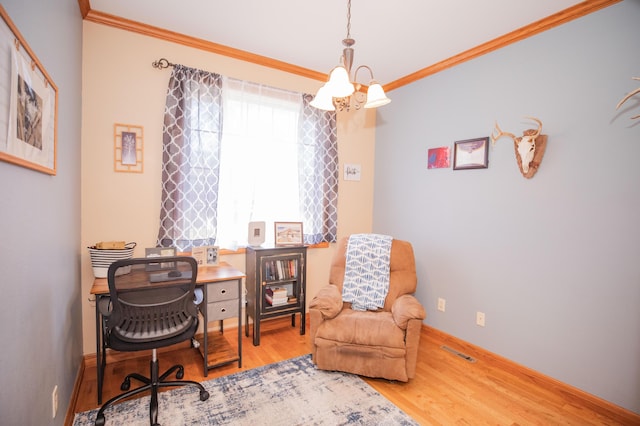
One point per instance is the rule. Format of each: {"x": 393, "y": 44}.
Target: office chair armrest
{"x": 198, "y": 296}
{"x": 405, "y": 308}
{"x": 328, "y": 301}
{"x": 104, "y": 305}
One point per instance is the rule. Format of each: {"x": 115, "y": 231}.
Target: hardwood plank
{"x": 446, "y": 390}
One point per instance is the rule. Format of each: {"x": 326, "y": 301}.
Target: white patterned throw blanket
{"x": 366, "y": 275}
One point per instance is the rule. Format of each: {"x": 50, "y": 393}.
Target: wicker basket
{"x": 102, "y": 259}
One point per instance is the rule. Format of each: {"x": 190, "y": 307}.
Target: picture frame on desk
{"x": 160, "y": 252}
{"x": 206, "y": 255}
{"x": 288, "y": 234}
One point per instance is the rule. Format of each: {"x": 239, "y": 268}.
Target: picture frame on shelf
{"x": 256, "y": 235}
{"x": 288, "y": 234}
{"x": 471, "y": 154}
{"x": 30, "y": 128}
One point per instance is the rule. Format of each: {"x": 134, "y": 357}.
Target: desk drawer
{"x": 222, "y": 310}
{"x": 223, "y": 290}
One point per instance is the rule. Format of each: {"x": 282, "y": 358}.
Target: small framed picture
{"x": 438, "y": 158}
{"x": 160, "y": 252}
{"x": 288, "y": 234}
{"x": 205, "y": 255}
{"x": 128, "y": 148}
{"x": 212, "y": 256}
{"x": 471, "y": 154}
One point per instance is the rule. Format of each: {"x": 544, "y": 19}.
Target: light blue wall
{"x": 40, "y": 316}
{"x": 554, "y": 262}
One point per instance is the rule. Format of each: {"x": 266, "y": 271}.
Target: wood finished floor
{"x": 447, "y": 390}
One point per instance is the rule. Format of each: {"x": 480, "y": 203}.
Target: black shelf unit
{"x": 269, "y": 268}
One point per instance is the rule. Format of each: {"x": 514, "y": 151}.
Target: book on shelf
{"x": 276, "y": 296}
{"x": 283, "y": 269}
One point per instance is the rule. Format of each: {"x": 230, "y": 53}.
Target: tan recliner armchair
{"x": 382, "y": 343}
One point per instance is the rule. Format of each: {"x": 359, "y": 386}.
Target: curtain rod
{"x": 162, "y": 63}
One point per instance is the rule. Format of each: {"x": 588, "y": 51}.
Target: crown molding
{"x": 559, "y": 18}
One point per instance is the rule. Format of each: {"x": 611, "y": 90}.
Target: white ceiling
{"x": 394, "y": 38}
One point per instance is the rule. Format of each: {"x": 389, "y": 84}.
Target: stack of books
{"x": 276, "y": 296}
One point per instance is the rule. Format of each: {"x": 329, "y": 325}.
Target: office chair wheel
{"x": 204, "y": 395}
{"x": 100, "y": 420}
{"x": 126, "y": 384}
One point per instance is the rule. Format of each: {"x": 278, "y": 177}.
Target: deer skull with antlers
{"x": 630, "y": 94}
{"x": 529, "y": 147}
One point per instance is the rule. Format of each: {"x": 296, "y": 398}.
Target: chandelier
{"x": 340, "y": 93}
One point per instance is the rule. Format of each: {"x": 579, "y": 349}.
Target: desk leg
{"x": 99, "y": 349}
{"x": 205, "y": 339}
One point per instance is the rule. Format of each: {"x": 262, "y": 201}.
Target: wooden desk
{"x": 217, "y": 283}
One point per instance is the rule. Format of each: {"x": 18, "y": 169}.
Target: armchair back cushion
{"x": 402, "y": 277}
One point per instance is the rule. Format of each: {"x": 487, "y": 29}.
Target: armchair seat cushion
{"x": 363, "y": 328}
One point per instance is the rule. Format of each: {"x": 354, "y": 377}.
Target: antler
{"x": 536, "y": 133}
{"x": 500, "y": 134}
{"x": 630, "y": 94}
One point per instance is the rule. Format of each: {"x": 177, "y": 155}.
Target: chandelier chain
{"x": 348, "y": 18}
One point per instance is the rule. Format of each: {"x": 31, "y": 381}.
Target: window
{"x": 236, "y": 152}
{"x": 258, "y": 160}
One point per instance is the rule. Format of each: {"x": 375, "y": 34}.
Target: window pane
{"x": 259, "y": 160}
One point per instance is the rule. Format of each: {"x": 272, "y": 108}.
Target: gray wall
{"x": 40, "y": 236}
{"x": 553, "y": 262}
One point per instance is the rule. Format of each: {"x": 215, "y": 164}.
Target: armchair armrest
{"x": 328, "y": 301}
{"x": 406, "y": 308}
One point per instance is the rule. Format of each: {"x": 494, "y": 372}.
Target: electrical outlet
{"x": 441, "y": 304}
{"x": 480, "y": 319}
{"x": 54, "y": 402}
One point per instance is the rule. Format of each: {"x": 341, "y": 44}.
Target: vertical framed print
{"x": 28, "y": 115}
{"x": 128, "y": 148}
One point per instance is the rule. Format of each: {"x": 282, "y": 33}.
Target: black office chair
{"x": 153, "y": 304}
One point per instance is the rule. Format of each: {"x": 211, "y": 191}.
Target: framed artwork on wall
{"x": 471, "y": 154}
{"x": 28, "y": 115}
{"x": 438, "y": 158}
{"x": 128, "y": 148}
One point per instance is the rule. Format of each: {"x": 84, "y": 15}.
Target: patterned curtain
{"x": 318, "y": 173}
{"x": 190, "y": 159}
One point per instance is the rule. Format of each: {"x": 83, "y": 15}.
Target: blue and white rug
{"x": 291, "y": 392}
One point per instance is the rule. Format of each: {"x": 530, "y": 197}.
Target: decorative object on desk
{"x": 200, "y": 255}
{"x": 256, "y": 236}
{"x": 438, "y": 158}
{"x": 290, "y": 392}
{"x": 103, "y": 254}
{"x": 212, "y": 255}
{"x": 159, "y": 252}
{"x": 28, "y": 134}
{"x": 206, "y": 255}
{"x": 288, "y": 234}
{"x": 128, "y": 149}
{"x": 471, "y": 154}
{"x": 352, "y": 172}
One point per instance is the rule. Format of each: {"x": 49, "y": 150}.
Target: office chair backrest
{"x": 154, "y": 300}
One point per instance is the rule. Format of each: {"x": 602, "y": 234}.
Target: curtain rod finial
{"x": 161, "y": 64}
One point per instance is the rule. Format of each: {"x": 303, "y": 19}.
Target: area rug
{"x": 291, "y": 392}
